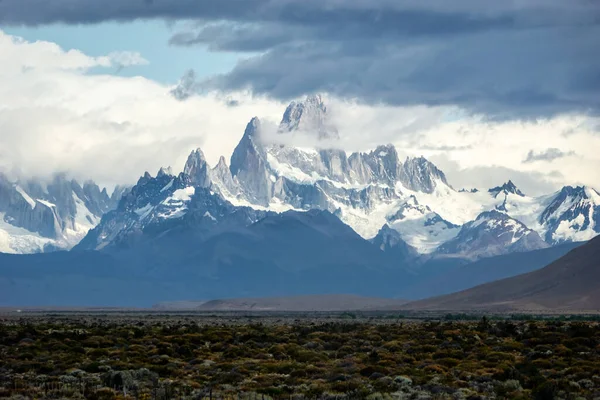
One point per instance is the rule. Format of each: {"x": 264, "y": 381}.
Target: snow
{"x": 292, "y": 173}
{"x": 168, "y": 186}
{"x": 15, "y": 240}
{"x": 383, "y": 153}
{"x": 184, "y": 194}
{"x": 46, "y": 203}
{"x": 209, "y": 215}
{"x": 175, "y": 206}
{"x": 425, "y": 239}
{"x": 25, "y": 196}
{"x": 143, "y": 212}
{"x": 83, "y": 221}
{"x": 593, "y": 195}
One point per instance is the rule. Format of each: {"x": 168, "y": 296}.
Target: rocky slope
{"x": 569, "y": 283}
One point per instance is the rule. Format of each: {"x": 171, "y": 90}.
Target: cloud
{"x": 57, "y": 117}
{"x": 124, "y": 59}
{"x": 486, "y": 177}
{"x": 506, "y": 60}
{"x": 547, "y": 155}
{"x": 186, "y": 87}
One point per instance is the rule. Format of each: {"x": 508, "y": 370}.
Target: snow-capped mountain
{"x": 38, "y": 216}
{"x": 156, "y": 205}
{"x": 366, "y": 190}
{"x": 492, "y": 233}
{"x": 573, "y": 214}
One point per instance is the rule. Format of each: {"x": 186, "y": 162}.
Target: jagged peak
{"x": 385, "y": 150}
{"x": 584, "y": 192}
{"x": 387, "y": 230}
{"x": 253, "y": 127}
{"x": 195, "y": 160}
{"x": 164, "y": 171}
{"x": 309, "y": 115}
{"x": 196, "y": 168}
{"x": 506, "y": 188}
{"x": 144, "y": 178}
{"x": 222, "y": 164}
{"x": 417, "y": 169}
{"x": 197, "y": 152}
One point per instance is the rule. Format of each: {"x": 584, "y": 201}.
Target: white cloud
{"x": 54, "y": 116}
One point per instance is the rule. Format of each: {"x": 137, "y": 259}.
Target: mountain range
{"x": 277, "y": 220}
{"x": 367, "y": 191}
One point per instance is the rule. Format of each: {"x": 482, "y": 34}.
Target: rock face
{"x": 420, "y": 175}
{"x": 249, "y": 166}
{"x": 38, "y": 216}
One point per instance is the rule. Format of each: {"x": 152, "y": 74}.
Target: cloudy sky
{"x": 489, "y": 91}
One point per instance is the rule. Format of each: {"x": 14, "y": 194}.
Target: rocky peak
{"x": 144, "y": 178}
{"x": 390, "y": 241}
{"x": 419, "y": 174}
{"x": 250, "y": 167}
{"x": 197, "y": 169}
{"x": 508, "y": 188}
{"x": 308, "y": 116}
{"x": 165, "y": 171}
{"x": 223, "y": 180}
{"x": 222, "y": 163}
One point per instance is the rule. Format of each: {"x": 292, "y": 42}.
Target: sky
{"x": 489, "y": 91}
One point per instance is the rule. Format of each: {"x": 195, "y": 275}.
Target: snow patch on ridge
{"x": 27, "y": 198}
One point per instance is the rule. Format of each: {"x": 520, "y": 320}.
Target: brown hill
{"x": 571, "y": 283}
{"x": 328, "y": 302}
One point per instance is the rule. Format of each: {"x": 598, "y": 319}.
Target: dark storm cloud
{"x": 504, "y": 59}
{"x": 546, "y": 155}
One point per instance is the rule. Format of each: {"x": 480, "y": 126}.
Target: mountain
{"x": 292, "y": 253}
{"x": 366, "y": 190}
{"x": 37, "y": 216}
{"x": 492, "y": 233}
{"x": 572, "y": 214}
{"x": 567, "y": 284}
{"x": 389, "y": 241}
{"x": 273, "y": 173}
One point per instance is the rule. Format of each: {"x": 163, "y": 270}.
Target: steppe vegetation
{"x": 328, "y": 357}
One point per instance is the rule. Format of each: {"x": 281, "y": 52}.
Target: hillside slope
{"x": 569, "y": 283}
